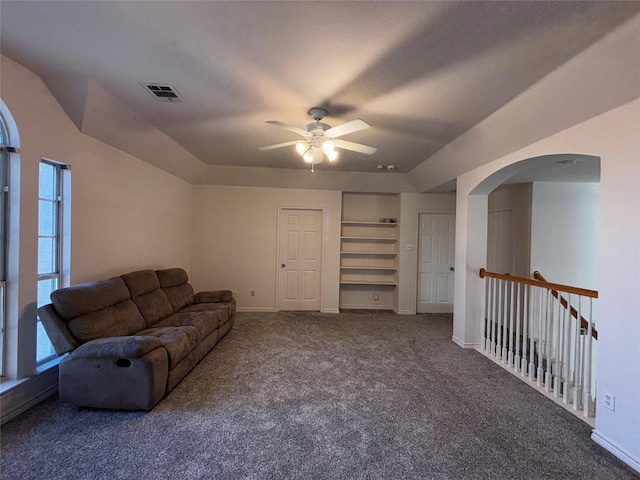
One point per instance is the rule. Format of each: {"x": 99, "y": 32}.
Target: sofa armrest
{"x": 57, "y": 330}
{"x": 117, "y": 347}
{"x": 216, "y": 296}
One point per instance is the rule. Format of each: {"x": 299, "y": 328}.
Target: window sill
{"x": 10, "y": 384}
{"x": 49, "y": 364}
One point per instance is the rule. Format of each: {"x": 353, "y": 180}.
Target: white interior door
{"x": 435, "y": 263}
{"x": 500, "y": 246}
{"x": 300, "y": 259}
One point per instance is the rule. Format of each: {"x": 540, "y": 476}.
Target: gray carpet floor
{"x": 362, "y": 395}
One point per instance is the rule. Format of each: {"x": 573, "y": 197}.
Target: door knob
{"x": 282, "y": 265}
{"x": 452, "y": 269}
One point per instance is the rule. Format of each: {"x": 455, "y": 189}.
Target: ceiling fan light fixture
{"x": 319, "y": 140}
{"x": 301, "y": 147}
{"x": 328, "y": 147}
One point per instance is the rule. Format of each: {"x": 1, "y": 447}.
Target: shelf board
{"x": 369, "y": 224}
{"x": 371, "y": 239}
{"x": 370, "y": 282}
{"x": 368, "y": 253}
{"x": 348, "y": 267}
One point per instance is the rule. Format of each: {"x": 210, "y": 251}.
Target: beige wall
{"x": 125, "y": 213}
{"x": 564, "y": 226}
{"x": 235, "y": 241}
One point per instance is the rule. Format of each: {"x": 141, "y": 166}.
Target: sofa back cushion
{"x": 148, "y": 296}
{"x": 98, "y": 309}
{"x": 174, "y": 284}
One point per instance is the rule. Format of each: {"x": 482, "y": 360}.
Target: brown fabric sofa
{"x": 132, "y": 338}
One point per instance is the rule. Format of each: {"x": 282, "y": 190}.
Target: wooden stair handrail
{"x": 539, "y": 283}
{"x": 554, "y": 287}
{"x": 563, "y": 301}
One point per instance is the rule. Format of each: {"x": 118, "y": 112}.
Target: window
{"x": 4, "y": 162}
{"x": 50, "y": 251}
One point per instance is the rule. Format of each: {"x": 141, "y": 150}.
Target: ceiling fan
{"x": 320, "y": 140}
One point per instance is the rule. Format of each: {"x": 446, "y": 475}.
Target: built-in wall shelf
{"x": 369, "y": 250}
{"x": 348, "y": 252}
{"x": 349, "y": 267}
{"x": 376, "y": 224}
{"x": 371, "y": 239}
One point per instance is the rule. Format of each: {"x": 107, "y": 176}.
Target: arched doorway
{"x": 473, "y": 190}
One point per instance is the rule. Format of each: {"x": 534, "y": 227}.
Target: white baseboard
{"x": 330, "y": 310}
{"x": 404, "y": 312}
{"x": 623, "y": 455}
{"x": 28, "y": 393}
{"x": 255, "y": 309}
{"x": 462, "y": 344}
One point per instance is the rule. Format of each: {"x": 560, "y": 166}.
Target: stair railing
{"x": 566, "y": 304}
{"x": 545, "y": 333}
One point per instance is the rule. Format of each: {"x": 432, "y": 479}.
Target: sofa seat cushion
{"x": 224, "y": 310}
{"x": 205, "y": 321}
{"x": 148, "y": 296}
{"x": 177, "y": 341}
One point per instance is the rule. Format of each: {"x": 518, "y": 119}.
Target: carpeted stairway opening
{"x": 295, "y": 395}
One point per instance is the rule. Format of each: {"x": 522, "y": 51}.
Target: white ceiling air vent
{"x": 163, "y": 92}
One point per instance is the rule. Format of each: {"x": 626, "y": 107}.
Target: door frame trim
{"x": 428, "y": 211}
{"x": 322, "y": 250}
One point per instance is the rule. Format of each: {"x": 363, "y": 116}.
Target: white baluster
{"x": 512, "y": 319}
{"x": 541, "y": 345}
{"x": 532, "y": 340}
{"x": 516, "y": 356}
{"x": 587, "y": 404}
{"x": 495, "y": 316}
{"x": 485, "y": 319}
{"x": 505, "y": 323}
{"x": 577, "y": 367}
{"x": 566, "y": 371}
{"x": 548, "y": 336}
{"x": 487, "y": 343}
{"x": 498, "y": 351}
{"x": 557, "y": 355}
{"x": 525, "y": 329}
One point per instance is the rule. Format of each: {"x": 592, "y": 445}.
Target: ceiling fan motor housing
{"x": 316, "y": 127}
{"x": 317, "y": 113}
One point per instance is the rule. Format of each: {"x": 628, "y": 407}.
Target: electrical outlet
{"x": 376, "y": 296}
{"x": 609, "y": 401}
{"x": 235, "y": 294}
{"x": 252, "y": 293}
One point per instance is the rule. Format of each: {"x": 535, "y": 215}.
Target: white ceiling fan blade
{"x": 279, "y": 145}
{"x": 297, "y": 130}
{"x": 346, "y": 128}
{"x": 356, "y": 147}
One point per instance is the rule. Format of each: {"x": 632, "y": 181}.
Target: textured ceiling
{"x": 420, "y": 73}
